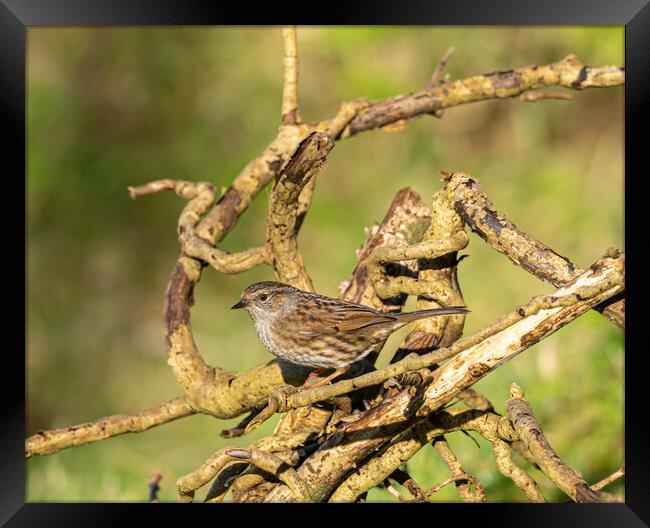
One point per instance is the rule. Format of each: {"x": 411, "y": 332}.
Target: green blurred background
{"x": 112, "y": 107}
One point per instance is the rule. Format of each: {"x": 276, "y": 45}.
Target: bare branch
{"x": 403, "y": 478}
{"x": 283, "y": 209}
{"x": 188, "y": 484}
{"x": 521, "y": 415}
{"x": 223, "y": 482}
{"x": 477, "y": 211}
{"x": 441, "y": 66}
{"x": 294, "y": 430}
{"x": 387, "y": 287}
{"x": 201, "y": 196}
{"x": 405, "y": 223}
{"x": 395, "y": 493}
{"x": 54, "y": 440}
{"x": 608, "y": 480}
{"x": 379, "y": 467}
{"x": 569, "y": 73}
{"x": 507, "y": 467}
{"x": 458, "y": 474}
{"x": 480, "y": 492}
{"x": 290, "y": 114}
{"x": 221, "y": 219}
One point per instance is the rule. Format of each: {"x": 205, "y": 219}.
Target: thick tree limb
{"x": 283, "y": 209}
{"x": 474, "y": 207}
{"x": 521, "y": 415}
{"x": 54, "y": 440}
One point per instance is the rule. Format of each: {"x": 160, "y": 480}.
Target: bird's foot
{"x": 322, "y": 381}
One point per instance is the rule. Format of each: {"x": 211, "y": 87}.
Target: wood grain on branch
{"x": 525, "y": 251}
{"x": 268, "y": 462}
{"x": 281, "y": 230}
{"x": 521, "y": 415}
{"x": 458, "y": 474}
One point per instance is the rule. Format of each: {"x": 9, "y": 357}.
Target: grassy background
{"x": 112, "y": 107}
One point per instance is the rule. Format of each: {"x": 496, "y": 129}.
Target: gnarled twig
{"x": 521, "y": 415}
{"x": 188, "y": 484}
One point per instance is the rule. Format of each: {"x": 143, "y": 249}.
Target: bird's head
{"x": 265, "y": 300}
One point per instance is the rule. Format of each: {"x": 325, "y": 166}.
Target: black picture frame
{"x": 17, "y": 15}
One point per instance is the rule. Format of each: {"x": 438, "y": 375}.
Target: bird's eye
{"x": 263, "y": 297}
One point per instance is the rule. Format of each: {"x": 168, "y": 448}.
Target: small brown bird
{"x": 317, "y": 331}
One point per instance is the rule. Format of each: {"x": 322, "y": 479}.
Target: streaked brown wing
{"x": 329, "y": 317}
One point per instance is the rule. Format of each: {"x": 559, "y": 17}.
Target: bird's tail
{"x": 422, "y": 314}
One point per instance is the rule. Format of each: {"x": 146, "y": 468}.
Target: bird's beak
{"x": 240, "y": 304}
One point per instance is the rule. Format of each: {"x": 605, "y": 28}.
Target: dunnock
{"x": 317, "y": 331}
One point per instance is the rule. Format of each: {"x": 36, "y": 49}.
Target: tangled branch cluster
{"x": 334, "y": 443}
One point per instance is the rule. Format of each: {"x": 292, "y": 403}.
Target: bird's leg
{"x": 314, "y": 374}
{"x": 338, "y": 372}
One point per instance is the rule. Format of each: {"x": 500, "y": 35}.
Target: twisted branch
{"x": 521, "y": 415}
{"x": 268, "y": 462}
{"x": 201, "y": 196}
{"x": 284, "y": 208}
{"x": 458, "y": 474}
{"x": 474, "y": 207}
{"x": 611, "y": 478}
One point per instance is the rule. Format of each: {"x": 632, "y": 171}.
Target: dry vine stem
{"x": 340, "y": 452}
